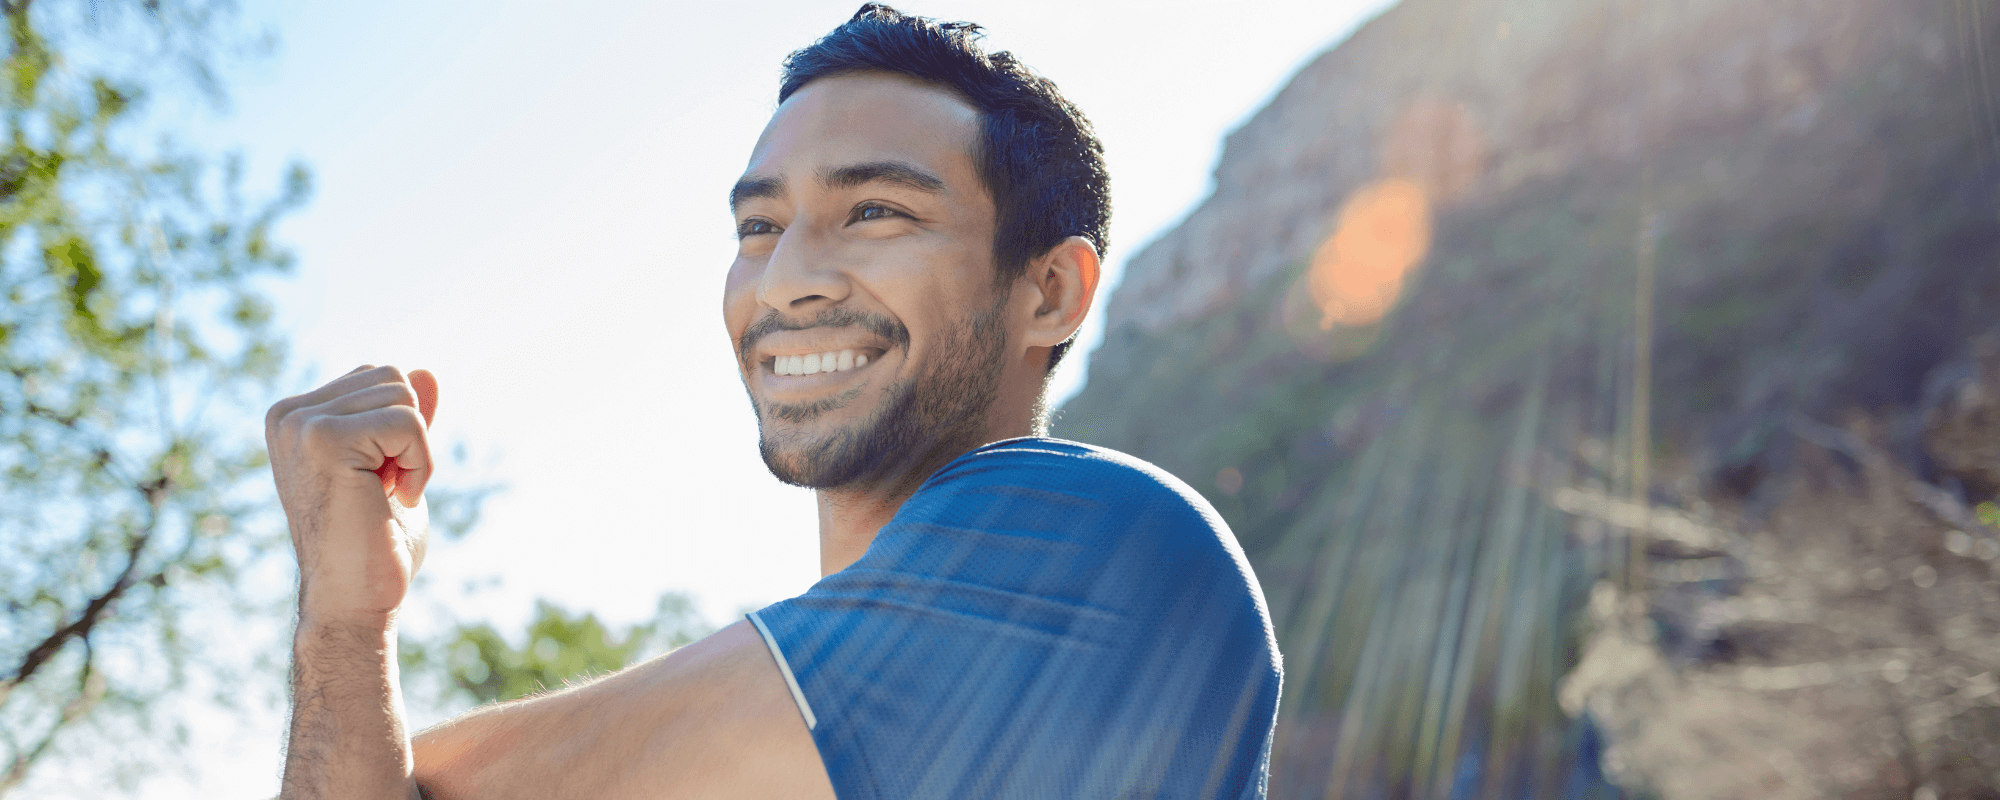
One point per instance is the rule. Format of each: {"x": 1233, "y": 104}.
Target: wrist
{"x": 357, "y": 626}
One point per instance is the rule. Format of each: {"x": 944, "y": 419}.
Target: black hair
{"x": 1036, "y": 153}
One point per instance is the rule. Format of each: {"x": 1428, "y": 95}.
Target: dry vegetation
{"x": 1843, "y": 642}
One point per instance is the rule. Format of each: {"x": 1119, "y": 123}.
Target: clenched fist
{"x": 351, "y": 459}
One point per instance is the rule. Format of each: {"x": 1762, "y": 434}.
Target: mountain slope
{"x": 1396, "y": 345}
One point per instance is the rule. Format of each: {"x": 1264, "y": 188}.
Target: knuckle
{"x": 408, "y": 417}
{"x": 318, "y": 431}
{"x": 289, "y": 422}
{"x": 276, "y": 415}
{"x": 297, "y": 418}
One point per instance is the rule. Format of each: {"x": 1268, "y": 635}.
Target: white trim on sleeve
{"x": 805, "y": 709}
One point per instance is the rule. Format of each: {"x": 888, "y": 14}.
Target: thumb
{"x": 426, "y": 386}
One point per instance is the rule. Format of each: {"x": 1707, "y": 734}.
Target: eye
{"x": 868, "y": 211}
{"x": 754, "y": 226}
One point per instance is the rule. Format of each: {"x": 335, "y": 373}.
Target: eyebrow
{"x": 896, "y": 173}
{"x": 891, "y": 172}
{"x": 753, "y": 188}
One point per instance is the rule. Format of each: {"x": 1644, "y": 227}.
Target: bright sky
{"x": 528, "y": 199}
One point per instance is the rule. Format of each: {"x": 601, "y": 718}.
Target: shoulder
{"x": 1052, "y": 480}
{"x": 1128, "y": 534}
{"x": 1042, "y": 574}
{"x": 1042, "y": 459}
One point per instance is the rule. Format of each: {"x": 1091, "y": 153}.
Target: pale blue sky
{"x": 527, "y": 198}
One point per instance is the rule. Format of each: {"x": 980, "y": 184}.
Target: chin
{"x": 916, "y": 425}
{"x": 895, "y": 445}
{"x": 832, "y": 460}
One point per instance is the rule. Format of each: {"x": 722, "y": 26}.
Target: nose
{"x": 800, "y": 275}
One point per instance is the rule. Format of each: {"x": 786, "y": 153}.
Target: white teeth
{"x": 815, "y": 363}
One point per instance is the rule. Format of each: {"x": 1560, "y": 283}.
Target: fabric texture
{"x": 1041, "y": 619}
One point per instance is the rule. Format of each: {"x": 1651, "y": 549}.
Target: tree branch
{"x": 156, "y": 492}
{"x": 17, "y": 771}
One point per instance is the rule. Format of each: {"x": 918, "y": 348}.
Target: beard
{"x": 926, "y": 420}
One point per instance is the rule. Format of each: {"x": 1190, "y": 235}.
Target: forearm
{"x": 347, "y": 737}
{"x": 453, "y": 756}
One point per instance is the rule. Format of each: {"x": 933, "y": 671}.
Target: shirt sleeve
{"x": 1042, "y": 619}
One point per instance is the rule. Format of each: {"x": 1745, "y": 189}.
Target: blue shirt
{"x": 1041, "y": 619}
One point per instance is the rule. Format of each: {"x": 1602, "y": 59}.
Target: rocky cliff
{"x": 1497, "y": 302}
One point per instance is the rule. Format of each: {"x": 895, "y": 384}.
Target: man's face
{"x": 866, "y": 240}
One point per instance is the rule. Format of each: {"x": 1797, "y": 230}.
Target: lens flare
{"x": 1381, "y": 233}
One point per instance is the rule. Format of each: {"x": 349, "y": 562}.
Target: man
{"x": 1001, "y": 615}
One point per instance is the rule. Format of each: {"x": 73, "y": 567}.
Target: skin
{"x": 713, "y": 719}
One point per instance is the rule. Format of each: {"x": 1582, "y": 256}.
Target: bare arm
{"x": 351, "y": 459}
{"x": 347, "y": 737}
{"x": 714, "y": 719}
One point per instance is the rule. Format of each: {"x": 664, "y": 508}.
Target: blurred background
{"x": 1607, "y": 393}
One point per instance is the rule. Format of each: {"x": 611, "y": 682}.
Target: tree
{"x": 479, "y": 664}
{"x": 136, "y": 352}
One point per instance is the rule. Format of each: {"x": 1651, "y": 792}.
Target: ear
{"x": 1063, "y": 281}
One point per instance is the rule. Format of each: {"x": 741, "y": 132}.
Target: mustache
{"x": 830, "y": 318}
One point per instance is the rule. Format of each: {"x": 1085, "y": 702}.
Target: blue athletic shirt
{"x": 1042, "y": 619}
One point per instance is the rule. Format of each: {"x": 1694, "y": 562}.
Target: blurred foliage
{"x": 559, "y": 648}
{"x": 135, "y": 350}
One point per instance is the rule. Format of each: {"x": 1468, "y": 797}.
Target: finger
{"x": 426, "y": 386}
{"x": 363, "y": 375}
{"x": 284, "y": 408}
{"x": 381, "y": 395}
{"x": 389, "y": 441}
{"x": 416, "y": 464}
{"x": 413, "y": 460}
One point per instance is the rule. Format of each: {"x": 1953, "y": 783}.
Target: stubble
{"x": 927, "y": 419}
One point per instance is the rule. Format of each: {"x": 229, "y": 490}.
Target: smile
{"x": 815, "y": 363}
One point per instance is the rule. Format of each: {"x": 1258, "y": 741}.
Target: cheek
{"x": 935, "y": 270}
{"x": 739, "y": 295}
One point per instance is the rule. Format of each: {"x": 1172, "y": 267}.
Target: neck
{"x": 848, "y": 522}
{"x": 849, "y": 517}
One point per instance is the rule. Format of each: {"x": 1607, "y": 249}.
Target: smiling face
{"x": 870, "y": 333}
